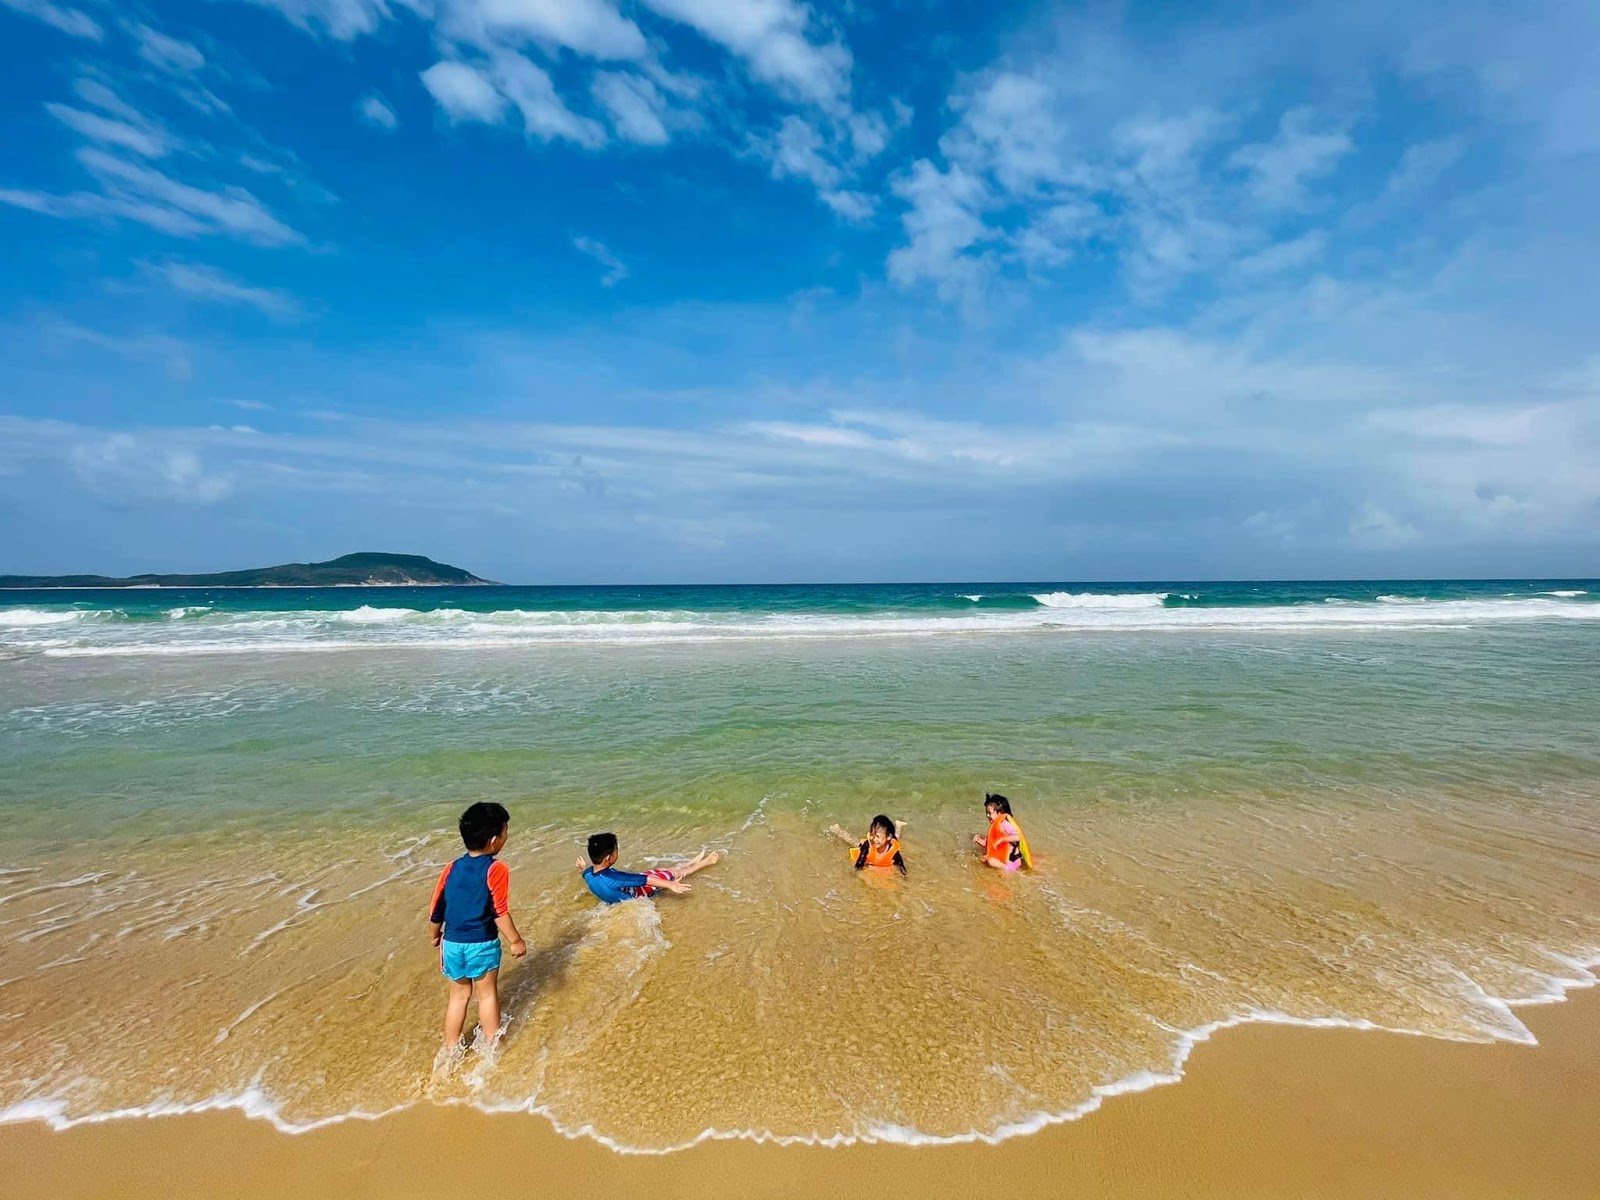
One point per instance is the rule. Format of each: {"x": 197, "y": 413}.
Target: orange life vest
{"x": 865, "y": 856}
{"x": 1005, "y": 849}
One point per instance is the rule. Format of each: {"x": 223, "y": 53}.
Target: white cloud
{"x": 1301, "y": 152}
{"x": 1375, "y": 526}
{"x": 68, "y": 20}
{"x": 97, "y": 95}
{"x": 208, "y": 283}
{"x": 943, "y": 224}
{"x": 374, "y": 111}
{"x": 143, "y": 190}
{"x": 797, "y": 151}
{"x": 615, "y": 270}
{"x": 143, "y": 137}
{"x": 770, "y": 35}
{"x": 467, "y": 93}
{"x": 1422, "y": 165}
{"x": 592, "y": 28}
{"x": 122, "y": 463}
{"x": 1292, "y": 255}
{"x": 850, "y": 206}
{"x": 800, "y": 150}
{"x": 464, "y": 93}
{"x": 170, "y": 354}
{"x": 166, "y": 53}
{"x": 341, "y": 19}
{"x": 634, "y": 105}
{"x": 544, "y": 114}
{"x": 1011, "y": 126}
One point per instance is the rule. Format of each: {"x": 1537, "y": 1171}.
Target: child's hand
{"x": 978, "y": 840}
{"x": 518, "y": 948}
{"x": 436, "y": 936}
{"x": 582, "y": 866}
{"x": 837, "y": 832}
{"x": 676, "y": 886}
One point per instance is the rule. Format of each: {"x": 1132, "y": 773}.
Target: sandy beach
{"x": 1263, "y": 1111}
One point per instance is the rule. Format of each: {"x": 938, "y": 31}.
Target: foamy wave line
{"x": 1101, "y": 600}
{"x": 254, "y": 1103}
{"x": 689, "y": 628}
{"x": 27, "y": 617}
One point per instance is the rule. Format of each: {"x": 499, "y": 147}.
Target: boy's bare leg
{"x": 700, "y": 861}
{"x": 489, "y": 1005}
{"x": 455, "y": 1011}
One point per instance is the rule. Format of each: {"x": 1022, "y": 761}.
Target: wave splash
{"x": 255, "y": 1103}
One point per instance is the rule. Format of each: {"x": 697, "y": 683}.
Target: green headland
{"x": 350, "y": 570}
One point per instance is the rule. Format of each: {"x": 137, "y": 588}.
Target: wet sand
{"x": 1263, "y": 1111}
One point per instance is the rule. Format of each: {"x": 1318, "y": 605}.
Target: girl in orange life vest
{"x": 1004, "y": 847}
{"x": 882, "y": 847}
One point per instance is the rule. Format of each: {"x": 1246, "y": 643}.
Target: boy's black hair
{"x": 600, "y": 845}
{"x": 882, "y": 822}
{"x": 482, "y": 823}
{"x": 998, "y": 801}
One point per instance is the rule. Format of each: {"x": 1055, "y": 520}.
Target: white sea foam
{"x": 255, "y": 1103}
{"x": 1566, "y": 595}
{"x": 368, "y": 615}
{"x": 23, "y": 618}
{"x": 1098, "y": 600}
{"x": 213, "y": 632}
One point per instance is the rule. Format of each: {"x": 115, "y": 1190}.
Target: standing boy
{"x": 471, "y": 909}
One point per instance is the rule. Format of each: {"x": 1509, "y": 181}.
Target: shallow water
{"x": 216, "y": 865}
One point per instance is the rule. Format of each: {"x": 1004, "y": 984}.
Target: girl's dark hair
{"x": 482, "y": 823}
{"x": 998, "y": 801}
{"x": 882, "y": 822}
{"x": 600, "y": 845}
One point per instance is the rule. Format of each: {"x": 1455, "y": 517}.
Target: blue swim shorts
{"x": 468, "y": 960}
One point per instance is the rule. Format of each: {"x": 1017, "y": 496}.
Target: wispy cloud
{"x": 339, "y": 19}
{"x": 207, "y": 283}
{"x": 374, "y": 110}
{"x": 71, "y": 21}
{"x": 614, "y": 269}
{"x": 166, "y": 53}
{"x": 135, "y": 133}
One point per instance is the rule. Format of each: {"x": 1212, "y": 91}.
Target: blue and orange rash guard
{"x": 471, "y": 893}
{"x": 614, "y": 886}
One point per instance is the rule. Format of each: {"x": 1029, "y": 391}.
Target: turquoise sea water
{"x": 1371, "y": 803}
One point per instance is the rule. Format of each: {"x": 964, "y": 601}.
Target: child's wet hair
{"x": 482, "y": 823}
{"x": 884, "y": 823}
{"x": 998, "y": 801}
{"x": 600, "y": 845}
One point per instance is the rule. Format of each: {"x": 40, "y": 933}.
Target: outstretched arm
{"x": 840, "y": 834}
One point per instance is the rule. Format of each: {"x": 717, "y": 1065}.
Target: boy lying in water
{"x": 612, "y": 886}
{"x": 882, "y": 847}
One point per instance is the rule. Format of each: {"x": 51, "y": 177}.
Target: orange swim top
{"x": 1006, "y": 843}
{"x": 865, "y": 856}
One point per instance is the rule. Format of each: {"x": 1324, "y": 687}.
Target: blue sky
{"x": 705, "y": 290}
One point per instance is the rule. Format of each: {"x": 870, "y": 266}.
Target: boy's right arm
{"x": 436, "y": 908}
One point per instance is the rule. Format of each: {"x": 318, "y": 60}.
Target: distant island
{"x": 352, "y": 570}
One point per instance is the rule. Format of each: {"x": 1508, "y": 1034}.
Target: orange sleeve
{"x": 500, "y": 887}
{"x": 436, "y": 905}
